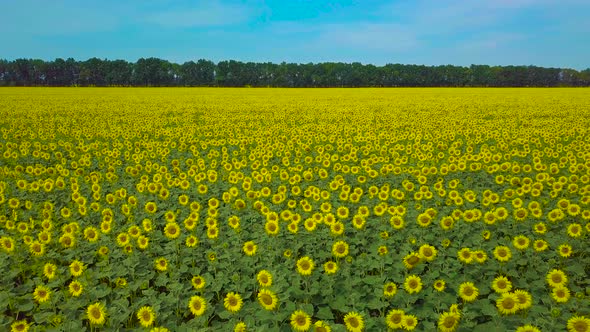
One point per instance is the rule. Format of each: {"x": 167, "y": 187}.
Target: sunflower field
{"x": 128, "y": 209}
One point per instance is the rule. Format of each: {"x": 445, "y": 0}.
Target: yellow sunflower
{"x": 330, "y": 267}
{"x": 525, "y": 299}
{"x": 394, "y": 319}
{"x": 501, "y": 285}
{"x": 19, "y": 326}
{"x": 409, "y": 322}
{"x": 249, "y": 248}
{"x": 340, "y": 249}
{"x": 233, "y": 302}
{"x": 300, "y": 321}
{"x": 75, "y": 288}
{"x": 413, "y": 284}
{"x": 507, "y": 304}
{"x": 565, "y": 250}
{"x": 305, "y": 266}
{"x": 528, "y": 328}
{"x": 448, "y": 322}
{"x": 556, "y": 278}
{"x": 264, "y": 278}
{"x": 172, "y": 230}
{"x": 502, "y": 253}
{"x": 96, "y": 313}
{"x": 197, "y": 305}
{"x": 146, "y": 316}
{"x": 354, "y": 322}
{"x": 578, "y": 324}
{"x": 468, "y": 292}
{"x": 321, "y": 326}
{"x": 560, "y": 294}
{"x": 267, "y": 299}
{"x": 389, "y": 289}
{"x": 76, "y": 268}
{"x": 161, "y": 264}
{"x": 411, "y": 260}
{"x": 439, "y": 285}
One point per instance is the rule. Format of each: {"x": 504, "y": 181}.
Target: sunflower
{"x": 560, "y": 294}
{"x": 146, "y": 316}
{"x": 397, "y": 222}
{"x": 67, "y": 240}
{"x": 75, "y": 288}
{"x": 448, "y": 321}
{"x": 574, "y": 230}
{"x": 233, "y": 302}
{"x": 556, "y": 278}
{"x": 264, "y": 278}
{"x": 19, "y": 326}
{"x": 502, "y": 253}
{"x": 123, "y": 239}
{"x": 172, "y": 230}
{"x": 501, "y": 285}
{"x": 240, "y": 327}
{"x": 267, "y": 299}
{"x": 340, "y": 249}
{"x": 337, "y": 228}
{"x": 411, "y": 260}
{"x": 578, "y": 324}
{"x": 151, "y": 207}
{"x": 382, "y": 250}
{"x": 300, "y": 321}
{"x": 465, "y": 255}
{"x": 439, "y": 285}
{"x": 161, "y": 264}
{"x": 525, "y": 300}
{"x": 249, "y": 248}
{"x": 389, "y": 289}
{"x": 565, "y": 250}
{"x": 91, "y": 234}
{"x": 427, "y": 252}
{"x": 305, "y": 266}
{"x": 540, "y": 228}
{"x": 413, "y": 284}
{"x": 528, "y": 328}
{"x": 49, "y": 270}
{"x": 507, "y": 303}
{"x": 197, "y": 305}
{"x": 468, "y": 292}
{"x": 198, "y": 282}
{"x": 103, "y": 251}
{"x": 394, "y": 319}
{"x": 41, "y": 294}
{"x": 540, "y": 245}
{"x": 480, "y": 256}
{"x": 409, "y": 322}
{"x": 330, "y": 267}
{"x": 96, "y": 313}
{"x": 520, "y": 242}
{"x": 7, "y": 244}
{"x": 354, "y": 322}
{"x": 321, "y": 326}
{"x": 76, "y": 268}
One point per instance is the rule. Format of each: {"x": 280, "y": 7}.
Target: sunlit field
{"x": 294, "y": 209}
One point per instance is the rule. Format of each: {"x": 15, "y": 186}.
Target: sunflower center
{"x": 300, "y": 320}
{"x": 42, "y": 293}
{"x": 427, "y": 252}
{"x": 581, "y": 326}
{"x": 340, "y": 249}
{"x": 233, "y": 301}
{"x": 95, "y": 313}
{"x": 413, "y": 284}
{"x": 501, "y": 284}
{"x": 560, "y": 293}
{"x": 502, "y": 253}
{"x": 413, "y": 260}
{"x": 305, "y": 265}
{"x": 266, "y": 299}
{"x": 556, "y": 278}
{"x": 196, "y": 305}
{"x": 146, "y": 316}
{"x": 468, "y": 291}
{"x": 508, "y": 303}
{"x": 353, "y": 321}
{"x": 449, "y": 322}
{"x": 396, "y": 318}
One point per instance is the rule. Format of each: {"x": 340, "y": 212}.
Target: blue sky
{"x": 550, "y": 33}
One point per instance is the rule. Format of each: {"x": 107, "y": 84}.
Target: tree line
{"x": 158, "y": 72}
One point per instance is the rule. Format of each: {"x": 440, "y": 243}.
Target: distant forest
{"x": 158, "y": 72}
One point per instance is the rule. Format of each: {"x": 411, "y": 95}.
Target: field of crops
{"x": 285, "y": 209}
